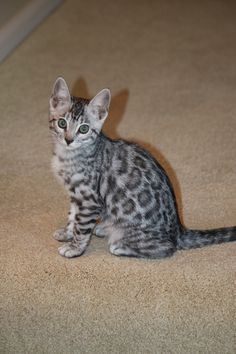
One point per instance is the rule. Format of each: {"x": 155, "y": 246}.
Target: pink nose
{"x": 68, "y": 141}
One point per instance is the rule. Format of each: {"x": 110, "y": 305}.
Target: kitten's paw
{"x": 99, "y": 231}
{"x": 70, "y": 250}
{"x": 62, "y": 236}
{"x": 116, "y": 250}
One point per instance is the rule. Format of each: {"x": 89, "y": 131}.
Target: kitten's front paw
{"x": 70, "y": 250}
{"x": 62, "y": 236}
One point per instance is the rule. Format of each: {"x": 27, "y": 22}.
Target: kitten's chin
{"x": 71, "y": 147}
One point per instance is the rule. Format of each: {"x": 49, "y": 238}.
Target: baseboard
{"x": 17, "y": 28}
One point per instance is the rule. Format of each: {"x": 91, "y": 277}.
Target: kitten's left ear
{"x": 98, "y": 107}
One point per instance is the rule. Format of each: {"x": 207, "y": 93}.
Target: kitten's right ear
{"x": 60, "y": 101}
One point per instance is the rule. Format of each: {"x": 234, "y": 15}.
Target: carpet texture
{"x": 171, "y": 67}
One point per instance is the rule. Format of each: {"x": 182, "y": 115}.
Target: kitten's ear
{"x": 98, "y": 107}
{"x": 60, "y": 100}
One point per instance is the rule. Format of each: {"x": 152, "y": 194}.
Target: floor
{"x": 18, "y": 19}
{"x": 171, "y": 70}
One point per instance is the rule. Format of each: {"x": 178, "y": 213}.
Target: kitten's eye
{"x": 83, "y": 129}
{"x": 62, "y": 123}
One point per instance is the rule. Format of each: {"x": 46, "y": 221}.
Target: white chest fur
{"x": 58, "y": 169}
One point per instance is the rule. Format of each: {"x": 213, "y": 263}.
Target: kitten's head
{"x": 76, "y": 122}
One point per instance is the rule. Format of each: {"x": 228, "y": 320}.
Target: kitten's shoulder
{"x": 126, "y": 148}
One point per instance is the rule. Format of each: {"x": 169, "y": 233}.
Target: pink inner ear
{"x": 54, "y": 101}
{"x": 99, "y": 112}
{"x": 59, "y": 105}
{"x": 102, "y": 112}
{"x": 60, "y": 102}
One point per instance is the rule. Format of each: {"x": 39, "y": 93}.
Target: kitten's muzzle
{"x": 68, "y": 141}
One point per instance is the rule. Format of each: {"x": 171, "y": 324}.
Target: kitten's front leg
{"x": 86, "y": 219}
{"x": 66, "y": 234}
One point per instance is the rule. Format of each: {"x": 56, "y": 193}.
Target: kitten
{"x": 116, "y": 183}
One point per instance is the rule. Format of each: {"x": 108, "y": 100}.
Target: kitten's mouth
{"x": 69, "y": 146}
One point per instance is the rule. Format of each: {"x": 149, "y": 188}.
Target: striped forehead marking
{"x": 78, "y": 106}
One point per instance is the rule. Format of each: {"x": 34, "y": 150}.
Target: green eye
{"x": 62, "y": 123}
{"x": 83, "y": 129}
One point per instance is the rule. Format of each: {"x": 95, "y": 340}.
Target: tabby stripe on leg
{"x": 84, "y": 223}
{"x": 84, "y": 215}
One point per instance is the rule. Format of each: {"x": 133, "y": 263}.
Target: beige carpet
{"x": 171, "y": 66}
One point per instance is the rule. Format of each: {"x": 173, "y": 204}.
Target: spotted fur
{"x": 116, "y": 188}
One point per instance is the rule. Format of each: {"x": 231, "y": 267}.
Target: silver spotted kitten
{"x": 116, "y": 188}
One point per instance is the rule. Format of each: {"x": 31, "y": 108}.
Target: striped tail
{"x": 200, "y": 238}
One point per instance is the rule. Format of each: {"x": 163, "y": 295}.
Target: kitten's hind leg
{"x": 143, "y": 244}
